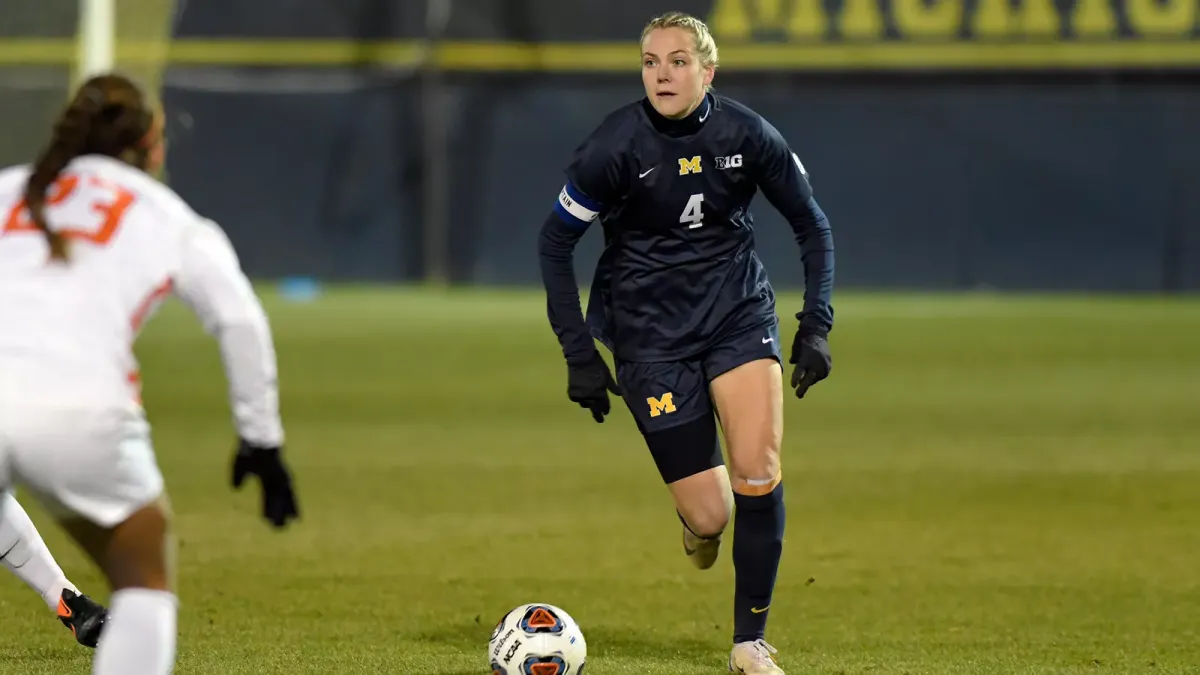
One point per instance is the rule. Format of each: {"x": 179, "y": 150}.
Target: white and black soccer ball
{"x": 537, "y": 639}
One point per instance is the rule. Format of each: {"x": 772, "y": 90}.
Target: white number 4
{"x": 693, "y": 216}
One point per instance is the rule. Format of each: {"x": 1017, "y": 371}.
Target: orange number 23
{"x": 110, "y": 212}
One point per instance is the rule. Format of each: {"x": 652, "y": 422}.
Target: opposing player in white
{"x": 25, "y": 554}
{"x": 90, "y": 244}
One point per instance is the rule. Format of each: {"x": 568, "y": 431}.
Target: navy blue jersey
{"x": 679, "y": 271}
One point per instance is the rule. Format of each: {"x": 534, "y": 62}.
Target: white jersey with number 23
{"x": 69, "y": 393}
{"x": 67, "y": 330}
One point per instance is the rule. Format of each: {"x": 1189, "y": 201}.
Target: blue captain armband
{"x": 576, "y": 208}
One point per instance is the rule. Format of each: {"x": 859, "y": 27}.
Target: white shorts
{"x": 96, "y": 463}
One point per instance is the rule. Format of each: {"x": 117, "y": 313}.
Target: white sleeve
{"x": 211, "y": 282}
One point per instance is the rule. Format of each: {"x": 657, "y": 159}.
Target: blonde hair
{"x": 706, "y": 46}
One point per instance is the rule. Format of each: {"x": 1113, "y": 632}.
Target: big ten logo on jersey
{"x": 662, "y": 405}
{"x": 730, "y": 162}
{"x": 107, "y": 209}
{"x": 689, "y": 165}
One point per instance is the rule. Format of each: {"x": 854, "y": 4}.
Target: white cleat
{"x": 754, "y": 658}
{"x": 701, "y": 551}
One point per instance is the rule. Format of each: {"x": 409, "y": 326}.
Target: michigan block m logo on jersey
{"x": 687, "y": 166}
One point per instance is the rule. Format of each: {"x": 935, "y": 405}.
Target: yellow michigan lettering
{"x": 1173, "y": 18}
{"x": 687, "y": 166}
{"x": 999, "y": 19}
{"x": 740, "y": 20}
{"x": 917, "y": 20}
{"x": 662, "y": 405}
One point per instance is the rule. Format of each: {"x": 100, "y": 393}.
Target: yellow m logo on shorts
{"x": 687, "y": 166}
{"x": 660, "y": 406}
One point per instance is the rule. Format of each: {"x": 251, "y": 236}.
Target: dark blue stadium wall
{"x": 1034, "y": 181}
{"x": 928, "y": 184}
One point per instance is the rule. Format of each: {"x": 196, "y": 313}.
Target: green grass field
{"x": 985, "y": 485}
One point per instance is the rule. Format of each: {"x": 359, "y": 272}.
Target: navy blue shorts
{"x": 666, "y": 394}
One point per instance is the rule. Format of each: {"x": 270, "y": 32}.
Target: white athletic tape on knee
{"x": 756, "y": 487}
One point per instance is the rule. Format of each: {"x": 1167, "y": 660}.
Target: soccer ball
{"x": 537, "y": 639}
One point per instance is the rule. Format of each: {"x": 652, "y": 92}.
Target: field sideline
{"x": 987, "y": 485}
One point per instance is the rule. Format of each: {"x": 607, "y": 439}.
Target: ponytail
{"x": 68, "y": 142}
{"x": 108, "y": 116}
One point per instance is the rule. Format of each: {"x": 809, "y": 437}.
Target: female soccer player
{"x": 90, "y": 244}
{"x": 683, "y": 302}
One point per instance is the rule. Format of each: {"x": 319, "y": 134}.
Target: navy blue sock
{"x": 757, "y": 547}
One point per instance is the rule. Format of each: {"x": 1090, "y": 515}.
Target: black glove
{"x": 278, "y": 500}
{"x": 588, "y": 385}
{"x": 810, "y": 353}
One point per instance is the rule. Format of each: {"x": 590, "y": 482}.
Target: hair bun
{"x": 91, "y": 98}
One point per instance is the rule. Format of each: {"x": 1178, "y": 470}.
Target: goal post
{"x": 97, "y": 37}
{"x": 48, "y": 46}
{"x": 131, "y": 36}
